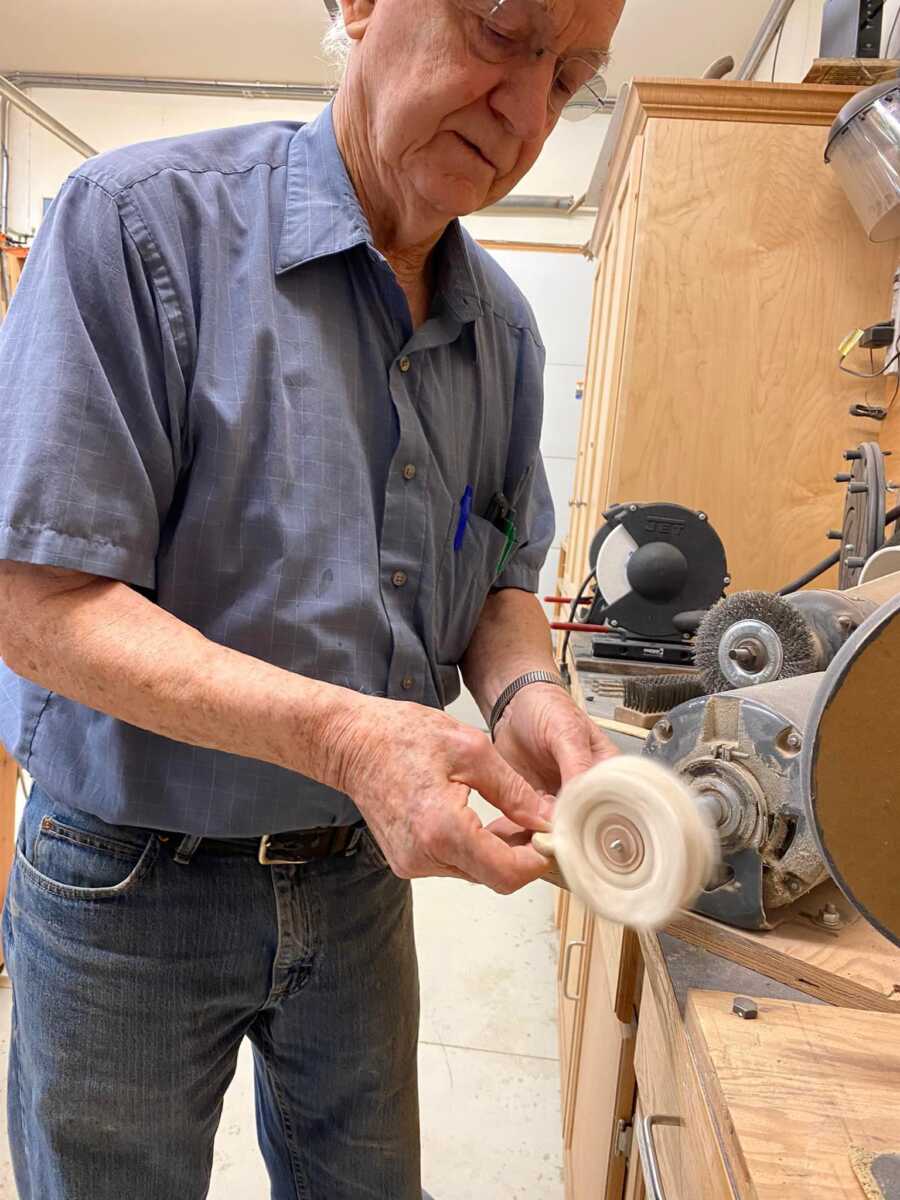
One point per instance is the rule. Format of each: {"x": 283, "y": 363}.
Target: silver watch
{"x": 514, "y": 688}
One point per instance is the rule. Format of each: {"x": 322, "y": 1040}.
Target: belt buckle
{"x": 268, "y": 860}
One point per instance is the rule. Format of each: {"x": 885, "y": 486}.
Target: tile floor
{"x": 489, "y": 1075}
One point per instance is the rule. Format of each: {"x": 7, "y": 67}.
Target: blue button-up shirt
{"x": 211, "y": 389}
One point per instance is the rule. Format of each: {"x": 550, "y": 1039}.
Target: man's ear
{"x": 357, "y": 14}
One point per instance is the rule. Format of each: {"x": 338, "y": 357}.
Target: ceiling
{"x": 278, "y": 40}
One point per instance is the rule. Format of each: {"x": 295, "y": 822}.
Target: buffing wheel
{"x": 631, "y": 842}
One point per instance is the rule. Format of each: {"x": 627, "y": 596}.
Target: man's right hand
{"x": 409, "y": 769}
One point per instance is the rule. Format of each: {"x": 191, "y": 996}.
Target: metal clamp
{"x": 649, "y": 1163}
{"x": 567, "y": 960}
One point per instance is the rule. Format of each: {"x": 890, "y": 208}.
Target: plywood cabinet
{"x": 729, "y": 268}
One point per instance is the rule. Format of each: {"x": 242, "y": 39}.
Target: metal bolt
{"x": 830, "y": 917}
{"x": 843, "y": 477}
{"x": 794, "y": 885}
{"x": 745, "y": 1008}
{"x": 726, "y": 582}
{"x": 617, "y": 848}
{"x": 857, "y": 488}
{"x": 794, "y": 741}
{"x": 633, "y": 508}
{"x": 835, "y": 535}
{"x": 854, "y": 562}
{"x": 846, "y": 623}
{"x": 664, "y": 728}
{"x": 852, "y": 455}
{"x": 702, "y": 516}
{"x": 614, "y": 624}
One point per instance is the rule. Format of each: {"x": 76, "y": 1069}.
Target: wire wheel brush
{"x": 751, "y": 638}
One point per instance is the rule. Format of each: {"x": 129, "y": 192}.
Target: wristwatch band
{"x": 514, "y": 688}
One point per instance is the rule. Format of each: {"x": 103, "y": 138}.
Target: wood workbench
{"x": 646, "y": 1030}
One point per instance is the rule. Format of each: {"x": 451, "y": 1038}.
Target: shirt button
{"x": 404, "y": 364}
{"x": 407, "y": 684}
{"x": 398, "y": 579}
{"x": 409, "y": 471}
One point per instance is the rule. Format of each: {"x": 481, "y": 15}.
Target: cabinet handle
{"x": 647, "y": 1148}
{"x": 567, "y": 962}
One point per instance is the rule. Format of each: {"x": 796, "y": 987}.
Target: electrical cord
{"x": 576, "y": 604}
{"x": 831, "y": 561}
{"x": 875, "y": 374}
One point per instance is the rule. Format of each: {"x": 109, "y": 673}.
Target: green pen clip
{"x": 511, "y": 533}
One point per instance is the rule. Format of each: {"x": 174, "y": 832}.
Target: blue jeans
{"x": 135, "y": 980}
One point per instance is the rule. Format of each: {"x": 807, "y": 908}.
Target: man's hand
{"x": 410, "y": 769}
{"x": 547, "y": 739}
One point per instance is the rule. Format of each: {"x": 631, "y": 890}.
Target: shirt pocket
{"x": 464, "y": 581}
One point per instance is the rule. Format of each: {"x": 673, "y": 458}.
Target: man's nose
{"x": 522, "y": 98}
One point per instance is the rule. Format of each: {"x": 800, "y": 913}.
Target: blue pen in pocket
{"x": 465, "y": 509}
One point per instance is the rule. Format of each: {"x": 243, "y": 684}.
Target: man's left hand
{"x": 548, "y": 739}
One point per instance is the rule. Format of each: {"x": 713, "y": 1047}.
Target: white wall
{"x": 40, "y": 162}
{"x": 800, "y": 41}
{"x": 560, "y": 289}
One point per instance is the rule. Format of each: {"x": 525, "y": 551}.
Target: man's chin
{"x": 455, "y": 196}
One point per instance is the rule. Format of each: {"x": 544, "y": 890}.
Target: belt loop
{"x": 187, "y": 848}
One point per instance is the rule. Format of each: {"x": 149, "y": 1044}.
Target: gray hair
{"x": 336, "y": 43}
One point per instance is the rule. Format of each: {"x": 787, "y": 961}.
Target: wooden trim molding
{"x": 740, "y": 100}
{"x": 545, "y": 247}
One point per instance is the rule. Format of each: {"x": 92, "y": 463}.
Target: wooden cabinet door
{"x": 683, "y": 1141}
{"x": 606, "y": 346}
{"x": 573, "y": 962}
{"x": 602, "y": 1092}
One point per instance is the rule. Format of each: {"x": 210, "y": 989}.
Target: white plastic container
{"x": 864, "y": 150}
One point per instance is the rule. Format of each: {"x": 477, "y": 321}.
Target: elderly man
{"x": 270, "y": 475}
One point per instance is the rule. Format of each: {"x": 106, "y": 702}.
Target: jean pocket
{"x": 78, "y": 864}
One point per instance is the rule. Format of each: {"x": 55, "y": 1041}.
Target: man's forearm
{"x": 104, "y": 645}
{"x": 512, "y": 637}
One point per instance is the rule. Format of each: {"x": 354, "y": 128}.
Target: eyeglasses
{"x": 498, "y": 31}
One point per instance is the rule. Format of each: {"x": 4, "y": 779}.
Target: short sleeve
{"x": 534, "y": 507}
{"x": 90, "y": 396}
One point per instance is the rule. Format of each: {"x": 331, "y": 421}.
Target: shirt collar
{"x": 322, "y": 217}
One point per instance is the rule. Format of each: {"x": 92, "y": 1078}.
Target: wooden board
{"x": 9, "y": 779}
{"x": 853, "y": 72}
{"x": 792, "y": 1091}
{"x": 606, "y": 346}
{"x": 13, "y": 259}
{"x": 854, "y": 968}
